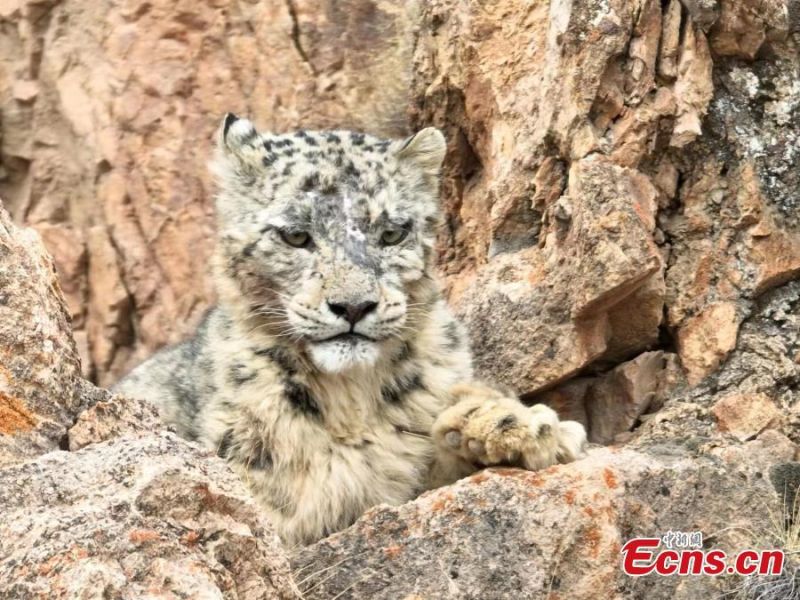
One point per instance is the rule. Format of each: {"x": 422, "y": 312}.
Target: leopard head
{"x": 326, "y": 238}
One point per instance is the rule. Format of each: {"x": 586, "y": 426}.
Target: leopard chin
{"x": 344, "y": 353}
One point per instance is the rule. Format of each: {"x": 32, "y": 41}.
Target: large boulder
{"x": 136, "y": 517}
{"x": 557, "y": 533}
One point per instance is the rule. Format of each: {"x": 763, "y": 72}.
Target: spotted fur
{"x": 331, "y": 374}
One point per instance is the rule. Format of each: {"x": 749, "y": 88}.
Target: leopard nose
{"x": 352, "y": 313}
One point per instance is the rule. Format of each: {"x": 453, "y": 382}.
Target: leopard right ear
{"x": 235, "y": 134}
{"x": 239, "y": 151}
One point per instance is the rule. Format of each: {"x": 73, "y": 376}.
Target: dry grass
{"x": 784, "y": 534}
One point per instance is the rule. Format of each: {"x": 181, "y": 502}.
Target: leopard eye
{"x": 392, "y": 237}
{"x": 296, "y": 239}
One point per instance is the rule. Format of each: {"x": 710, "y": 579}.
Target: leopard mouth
{"x": 350, "y": 337}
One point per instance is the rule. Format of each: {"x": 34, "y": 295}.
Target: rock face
{"x": 612, "y": 404}
{"x": 620, "y": 237}
{"x": 621, "y": 176}
{"x": 529, "y": 96}
{"x": 599, "y": 233}
{"x": 755, "y": 389}
{"x": 135, "y": 517}
{"x": 39, "y": 364}
{"x": 688, "y": 108}
{"x": 110, "y": 418}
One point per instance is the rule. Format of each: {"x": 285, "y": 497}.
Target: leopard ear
{"x": 235, "y": 134}
{"x": 239, "y": 151}
{"x": 425, "y": 149}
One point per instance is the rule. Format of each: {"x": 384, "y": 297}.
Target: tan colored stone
{"x": 610, "y": 405}
{"x": 569, "y": 399}
{"x": 666, "y": 179}
{"x": 635, "y": 321}
{"x": 635, "y": 112}
{"x": 25, "y": 91}
{"x": 744, "y": 25}
{"x": 693, "y": 88}
{"x": 112, "y": 418}
{"x": 474, "y": 539}
{"x": 135, "y": 517}
{"x": 39, "y": 364}
{"x": 68, "y": 249}
{"x": 706, "y": 339}
{"x": 643, "y": 51}
{"x": 745, "y": 415}
{"x": 773, "y": 251}
{"x": 670, "y": 40}
{"x": 82, "y": 344}
{"x": 732, "y": 246}
{"x": 620, "y": 397}
{"x": 596, "y": 252}
{"x": 110, "y": 309}
{"x": 774, "y": 446}
{"x": 633, "y": 131}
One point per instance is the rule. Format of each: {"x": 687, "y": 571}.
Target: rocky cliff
{"x": 621, "y": 238}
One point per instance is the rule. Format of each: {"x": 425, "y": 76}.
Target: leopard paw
{"x": 489, "y": 428}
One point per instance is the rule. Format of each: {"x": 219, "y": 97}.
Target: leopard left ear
{"x": 425, "y": 149}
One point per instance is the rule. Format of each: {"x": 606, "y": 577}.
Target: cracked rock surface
{"x": 135, "y": 517}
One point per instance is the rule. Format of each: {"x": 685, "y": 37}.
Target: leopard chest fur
{"x": 320, "y": 461}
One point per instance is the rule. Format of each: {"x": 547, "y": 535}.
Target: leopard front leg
{"x": 487, "y": 427}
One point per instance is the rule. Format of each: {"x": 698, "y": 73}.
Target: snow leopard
{"x": 331, "y": 374}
